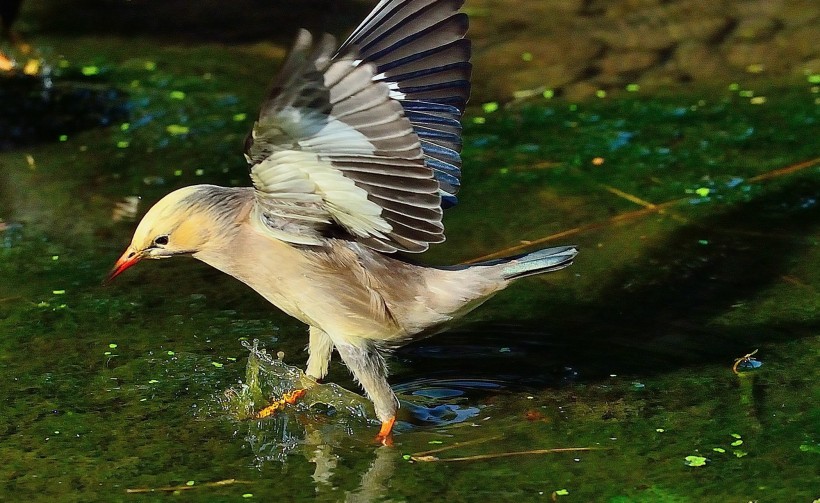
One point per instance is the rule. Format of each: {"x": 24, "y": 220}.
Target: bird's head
{"x": 176, "y": 225}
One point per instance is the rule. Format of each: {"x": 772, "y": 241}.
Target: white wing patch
{"x": 306, "y": 181}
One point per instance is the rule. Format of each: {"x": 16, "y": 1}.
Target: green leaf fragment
{"x": 247, "y": 495}
{"x": 112, "y": 345}
{"x": 217, "y": 365}
{"x": 176, "y": 129}
{"x": 171, "y": 353}
{"x": 633, "y": 88}
{"x": 719, "y": 449}
{"x": 527, "y": 56}
{"x": 435, "y": 442}
{"x": 561, "y": 492}
{"x": 153, "y": 381}
{"x": 123, "y": 144}
{"x": 240, "y": 117}
{"x": 177, "y": 95}
{"x": 150, "y": 66}
{"x": 90, "y": 70}
{"x": 695, "y": 461}
{"x": 548, "y": 94}
{"x": 58, "y": 292}
{"x": 736, "y": 435}
{"x": 814, "y": 78}
{"x": 190, "y": 483}
{"x": 479, "y": 120}
{"x": 490, "y": 107}
{"x": 703, "y": 191}
{"x": 736, "y": 443}
{"x": 739, "y": 453}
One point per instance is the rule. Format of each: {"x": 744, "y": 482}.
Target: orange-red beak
{"x": 129, "y": 258}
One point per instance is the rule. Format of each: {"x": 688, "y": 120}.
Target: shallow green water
{"x": 629, "y": 351}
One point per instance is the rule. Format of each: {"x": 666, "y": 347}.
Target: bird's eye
{"x": 161, "y": 240}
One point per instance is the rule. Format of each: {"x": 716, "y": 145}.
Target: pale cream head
{"x": 176, "y": 225}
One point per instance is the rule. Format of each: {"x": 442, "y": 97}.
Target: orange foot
{"x": 385, "y": 436}
{"x": 288, "y": 398}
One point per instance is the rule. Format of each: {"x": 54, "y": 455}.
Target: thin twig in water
{"x": 457, "y": 444}
{"x": 218, "y": 483}
{"x": 648, "y": 209}
{"x": 505, "y": 454}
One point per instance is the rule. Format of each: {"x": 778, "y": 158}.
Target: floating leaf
{"x": 561, "y": 492}
{"x": 490, "y": 107}
{"x": 240, "y": 117}
{"x": 703, "y": 191}
{"x": 719, "y": 449}
{"x": 695, "y": 461}
{"x": 90, "y": 70}
{"x": 177, "y": 95}
{"x": 150, "y": 66}
{"x": 217, "y": 365}
{"x": 190, "y": 483}
{"x": 171, "y": 353}
{"x": 736, "y": 435}
{"x": 739, "y": 453}
{"x": 736, "y": 443}
{"x": 58, "y": 292}
{"x": 176, "y": 129}
{"x": 112, "y": 345}
{"x": 153, "y": 381}
{"x": 632, "y": 88}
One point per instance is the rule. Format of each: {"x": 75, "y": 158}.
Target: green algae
{"x": 669, "y": 300}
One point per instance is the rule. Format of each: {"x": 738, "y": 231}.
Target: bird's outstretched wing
{"x": 364, "y": 142}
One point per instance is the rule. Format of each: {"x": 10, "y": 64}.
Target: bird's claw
{"x": 385, "y": 436}
{"x": 287, "y": 399}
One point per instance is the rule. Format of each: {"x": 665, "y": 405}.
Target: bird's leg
{"x": 368, "y": 367}
{"x": 320, "y": 346}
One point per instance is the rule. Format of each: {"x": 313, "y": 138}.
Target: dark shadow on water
{"x": 655, "y": 315}
{"x": 37, "y": 109}
{"x": 207, "y": 20}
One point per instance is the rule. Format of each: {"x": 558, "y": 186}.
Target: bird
{"x": 353, "y": 157}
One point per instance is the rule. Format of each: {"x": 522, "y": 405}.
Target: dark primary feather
{"x": 383, "y": 111}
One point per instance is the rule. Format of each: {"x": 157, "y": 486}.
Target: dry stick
{"x": 648, "y": 208}
{"x": 785, "y": 171}
{"x": 457, "y": 444}
{"x": 218, "y": 483}
{"x": 506, "y": 454}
